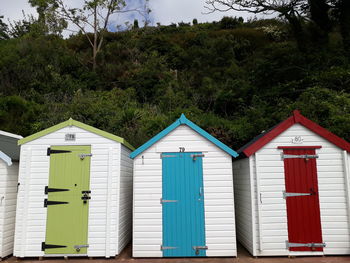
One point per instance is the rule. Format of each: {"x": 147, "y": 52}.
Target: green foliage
{"x": 17, "y": 114}
{"x": 230, "y": 22}
{"x": 3, "y": 29}
{"x": 327, "y": 107}
{"x": 39, "y": 66}
{"x": 136, "y": 24}
{"x": 234, "y": 79}
{"x": 28, "y": 25}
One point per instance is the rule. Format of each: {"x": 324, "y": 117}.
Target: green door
{"x": 67, "y": 200}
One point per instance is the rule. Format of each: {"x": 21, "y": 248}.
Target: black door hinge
{"x": 49, "y": 151}
{"x": 48, "y": 246}
{"x": 46, "y": 203}
{"x": 50, "y": 190}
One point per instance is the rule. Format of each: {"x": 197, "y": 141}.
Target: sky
{"x": 163, "y": 11}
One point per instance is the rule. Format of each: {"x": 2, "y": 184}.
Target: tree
{"x": 3, "y": 29}
{"x": 319, "y": 15}
{"x": 48, "y": 20}
{"x": 343, "y": 11}
{"x": 291, "y": 10}
{"x": 319, "y": 10}
{"x": 28, "y": 24}
{"x": 136, "y": 24}
{"x": 94, "y": 16}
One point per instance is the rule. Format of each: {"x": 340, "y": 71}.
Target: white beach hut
{"x": 183, "y": 195}
{"x": 292, "y": 191}
{"x": 9, "y": 157}
{"x": 75, "y": 193}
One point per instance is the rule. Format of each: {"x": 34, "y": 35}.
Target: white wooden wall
{"x": 104, "y": 185}
{"x": 218, "y": 192}
{"x": 243, "y": 203}
{"x": 125, "y": 200}
{"x": 332, "y": 192}
{"x": 8, "y": 197}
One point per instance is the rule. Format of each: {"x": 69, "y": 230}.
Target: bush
{"x": 230, "y": 22}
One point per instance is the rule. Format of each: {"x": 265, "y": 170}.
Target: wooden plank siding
{"x": 104, "y": 185}
{"x": 8, "y": 198}
{"x": 243, "y": 203}
{"x": 218, "y": 192}
{"x": 125, "y": 198}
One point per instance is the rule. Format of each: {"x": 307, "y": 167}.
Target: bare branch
{"x": 65, "y": 14}
{"x": 253, "y": 6}
{"x": 94, "y": 17}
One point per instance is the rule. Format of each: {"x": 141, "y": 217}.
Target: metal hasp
{"x": 285, "y": 194}
{"x": 166, "y": 156}
{"x": 83, "y": 155}
{"x": 194, "y": 156}
{"x": 165, "y": 248}
{"x": 78, "y": 247}
{"x": 168, "y": 201}
{"x": 197, "y": 248}
{"x": 86, "y": 196}
{"x": 302, "y": 156}
{"x": 288, "y": 245}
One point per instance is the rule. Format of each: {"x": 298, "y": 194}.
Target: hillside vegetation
{"x": 233, "y": 78}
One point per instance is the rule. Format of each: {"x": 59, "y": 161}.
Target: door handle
{"x": 312, "y": 191}
{"x": 200, "y": 193}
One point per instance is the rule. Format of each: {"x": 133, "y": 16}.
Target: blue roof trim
{"x": 178, "y": 122}
{"x": 156, "y": 138}
{"x": 209, "y": 137}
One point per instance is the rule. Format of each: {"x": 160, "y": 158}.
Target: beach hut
{"x": 9, "y": 156}
{"x": 183, "y": 195}
{"x": 292, "y": 191}
{"x": 75, "y": 190}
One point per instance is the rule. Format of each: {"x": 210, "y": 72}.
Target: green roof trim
{"x": 78, "y": 124}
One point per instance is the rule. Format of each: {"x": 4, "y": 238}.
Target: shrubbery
{"x": 234, "y": 79}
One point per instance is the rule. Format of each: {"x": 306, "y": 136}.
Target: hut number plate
{"x": 70, "y": 137}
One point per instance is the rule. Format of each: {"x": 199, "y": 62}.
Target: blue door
{"x": 183, "y": 205}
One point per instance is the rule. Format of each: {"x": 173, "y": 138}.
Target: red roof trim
{"x": 296, "y": 118}
{"x": 299, "y": 147}
{"x": 253, "y": 148}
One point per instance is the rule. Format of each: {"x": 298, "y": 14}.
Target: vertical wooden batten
{"x": 347, "y": 181}
{"x": 253, "y": 203}
{"x": 26, "y": 202}
{"x": 259, "y": 200}
{"x": 109, "y": 201}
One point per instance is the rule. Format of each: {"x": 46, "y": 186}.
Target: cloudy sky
{"x": 163, "y": 11}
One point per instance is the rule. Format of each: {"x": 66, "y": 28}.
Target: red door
{"x": 303, "y": 209}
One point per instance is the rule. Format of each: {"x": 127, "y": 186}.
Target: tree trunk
{"x": 344, "y": 18}
{"x": 94, "y": 48}
{"x": 319, "y": 15}
{"x": 297, "y": 30}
